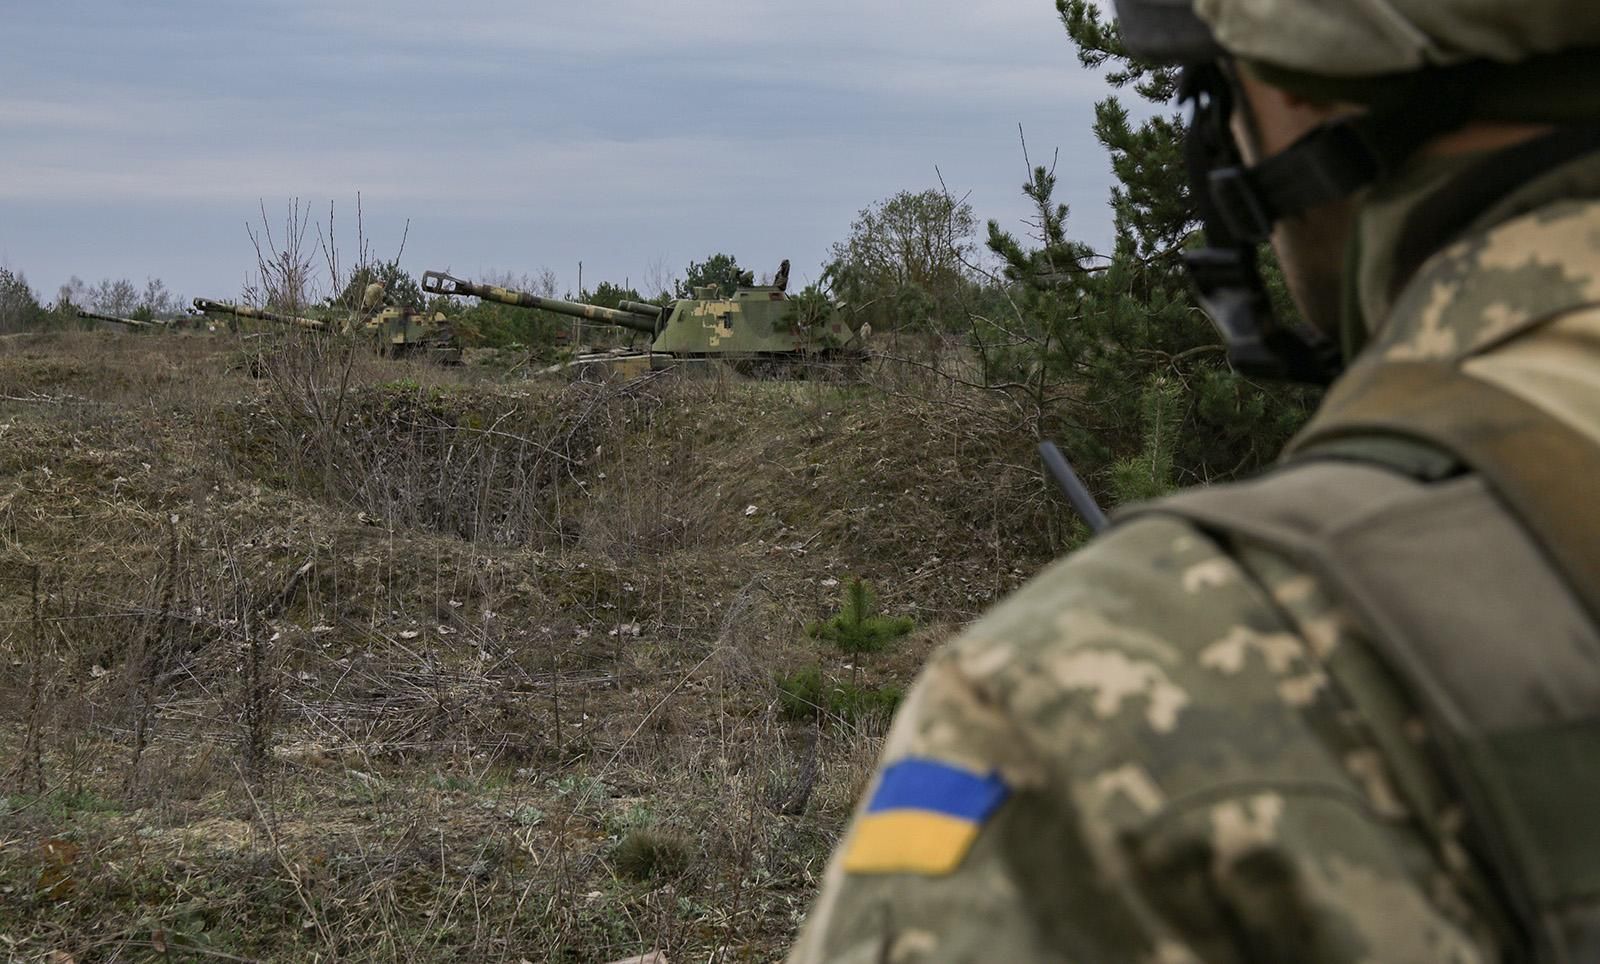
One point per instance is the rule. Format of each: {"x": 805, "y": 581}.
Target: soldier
{"x": 781, "y": 279}
{"x": 1348, "y": 711}
{"x": 372, "y": 297}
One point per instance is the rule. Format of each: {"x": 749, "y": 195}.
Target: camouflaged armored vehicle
{"x": 759, "y": 329}
{"x": 393, "y": 332}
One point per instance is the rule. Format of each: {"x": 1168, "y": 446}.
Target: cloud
{"x": 19, "y": 116}
{"x": 710, "y": 28}
{"x": 516, "y": 171}
{"x": 530, "y": 131}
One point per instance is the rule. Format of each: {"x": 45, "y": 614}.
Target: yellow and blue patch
{"x": 922, "y": 819}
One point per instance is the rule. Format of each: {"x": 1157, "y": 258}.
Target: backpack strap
{"x": 1545, "y": 472}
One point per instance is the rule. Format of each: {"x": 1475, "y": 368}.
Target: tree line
{"x": 21, "y": 309}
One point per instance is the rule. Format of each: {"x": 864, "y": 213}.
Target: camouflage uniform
{"x": 372, "y": 297}
{"x": 1195, "y": 739}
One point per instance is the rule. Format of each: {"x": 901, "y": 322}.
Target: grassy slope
{"x": 391, "y": 662}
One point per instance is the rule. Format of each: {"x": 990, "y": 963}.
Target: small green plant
{"x": 648, "y": 854}
{"x": 802, "y": 694}
{"x": 857, "y": 629}
{"x": 527, "y": 816}
{"x": 584, "y": 786}
{"x": 805, "y": 695}
{"x": 451, "y": 782}
{"x": 59, "y": 804}
{"x": 851, "y": 703}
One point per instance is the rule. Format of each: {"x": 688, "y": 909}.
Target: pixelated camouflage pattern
{"x": 1392, "y": 36}
{"x": 1193, "y": 778}
{"x": 1459, "y": 304}
{"x": 407, "y": 331}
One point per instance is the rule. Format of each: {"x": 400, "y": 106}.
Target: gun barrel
{"x": 130, "y": 322}
{"x": 245, "y": 311}
{"x": 439, "y": 283}
{"x": 640, "y": 308}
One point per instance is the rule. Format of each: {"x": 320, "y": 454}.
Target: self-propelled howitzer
{"x": 758, "y": 327}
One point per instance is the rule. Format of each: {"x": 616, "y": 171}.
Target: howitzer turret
{"x": 757, "y": 327}
{"x": 130, "y": 322}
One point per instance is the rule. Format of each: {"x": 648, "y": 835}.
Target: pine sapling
{"x": 857, "y": 629}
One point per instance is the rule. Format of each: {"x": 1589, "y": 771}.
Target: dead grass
{"x": 470, "y": 669}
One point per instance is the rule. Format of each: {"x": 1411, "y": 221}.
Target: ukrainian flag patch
{"x": 922, "y": 819}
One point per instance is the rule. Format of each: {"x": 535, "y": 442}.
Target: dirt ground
{"x": 310, "y": 655}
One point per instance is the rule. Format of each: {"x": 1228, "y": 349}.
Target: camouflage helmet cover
{"x": 1356, "y": 38}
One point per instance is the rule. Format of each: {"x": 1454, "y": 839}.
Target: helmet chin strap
{"x": 1238, "y": 206}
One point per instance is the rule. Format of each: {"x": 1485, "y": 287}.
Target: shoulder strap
{"x": 1544, "y": 471}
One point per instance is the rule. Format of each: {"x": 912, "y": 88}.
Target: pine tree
{"x": 1124, "y": 368}
{"x": 19, "y": 309}
{"x": 857, "y": 629}
{"x": 721, "y": 270}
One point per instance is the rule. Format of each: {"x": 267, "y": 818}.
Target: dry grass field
{"x": 308, "y": 655}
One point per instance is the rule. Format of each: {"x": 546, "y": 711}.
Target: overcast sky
{"x": 138, "y": 138}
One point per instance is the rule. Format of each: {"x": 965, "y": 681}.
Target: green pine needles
{"x": 1149, "y": 474}
{"x": 857, "y": 629}
{"x": 1106, "y": 351}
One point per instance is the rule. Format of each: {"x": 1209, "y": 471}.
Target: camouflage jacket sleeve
{"x": 1142, "y": 756}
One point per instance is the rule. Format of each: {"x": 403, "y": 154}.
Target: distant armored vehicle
{"x": 393, "y": 331}
{"x": 758, "y": 329}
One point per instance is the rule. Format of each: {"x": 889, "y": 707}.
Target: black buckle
{"x": 1229, "y": 289}
{"x": 1216, "y": 268}
{"x": 1241, "y": 204}
{"x": 1232, "y": 296}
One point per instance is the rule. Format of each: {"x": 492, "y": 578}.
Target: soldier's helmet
{"x": 372, "y": 297}
{"x": 1421, "y": 68}
{"x": 1352, "y": 50}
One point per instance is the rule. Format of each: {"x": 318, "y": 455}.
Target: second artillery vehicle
{"x": 392, "y": 331}
{"x": 758, "y": 329}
